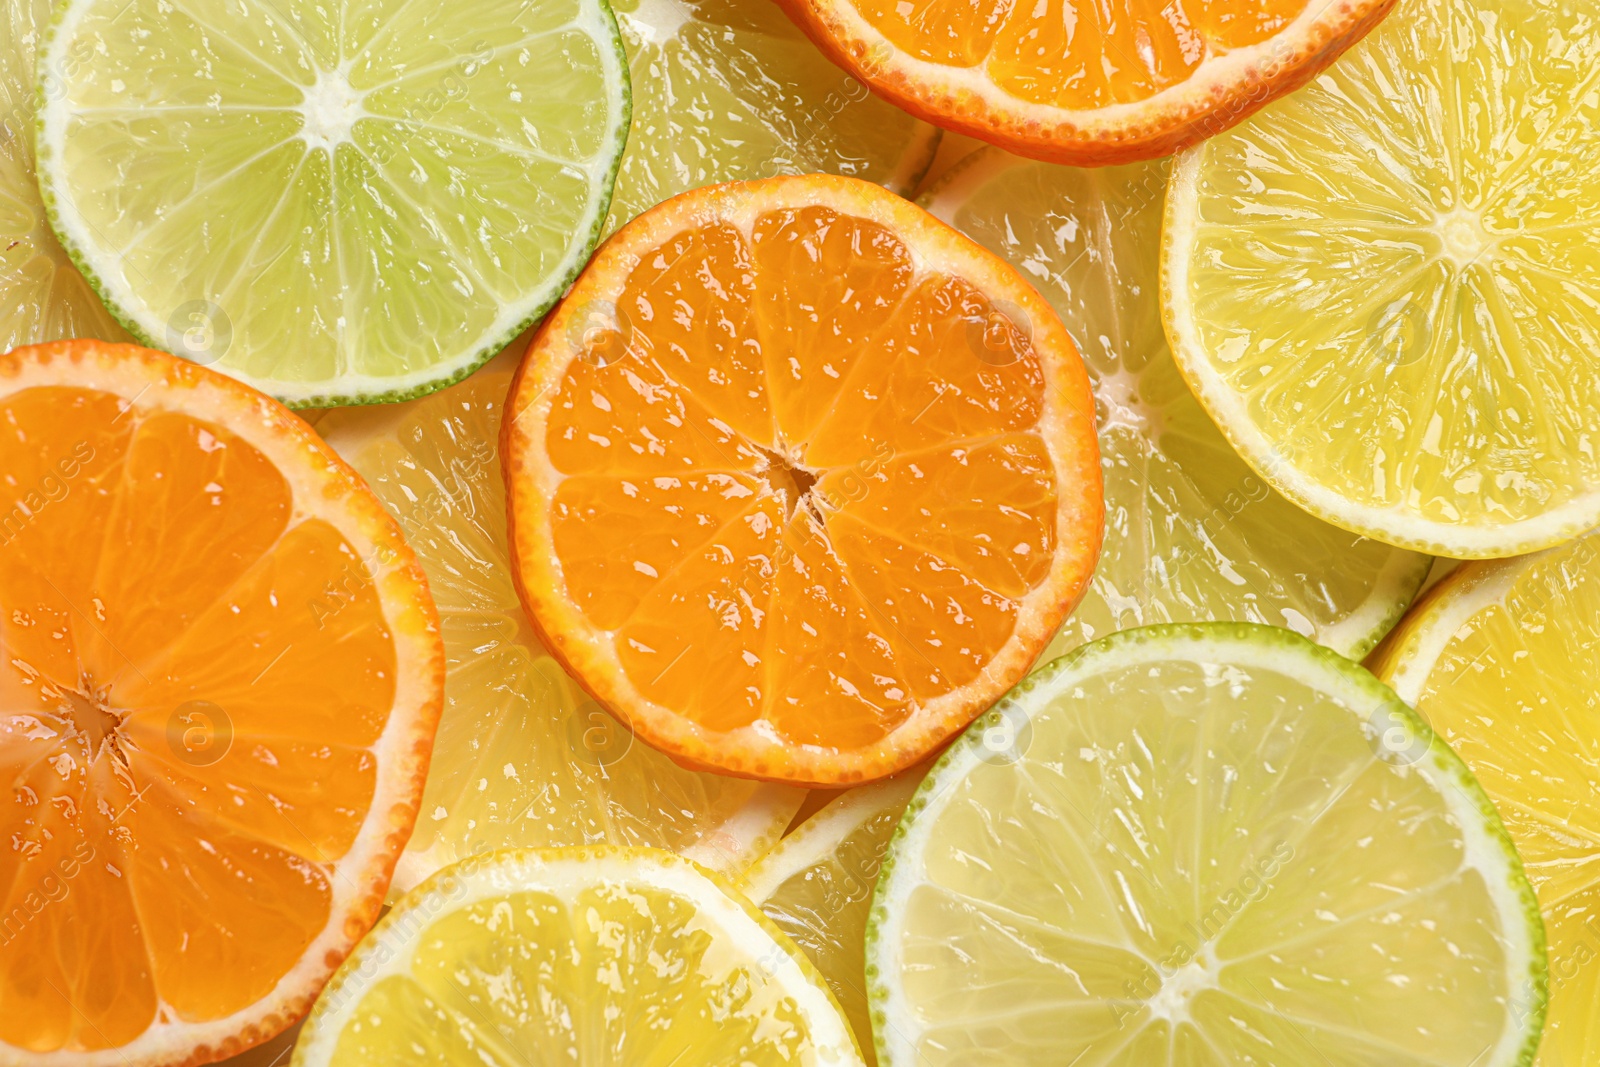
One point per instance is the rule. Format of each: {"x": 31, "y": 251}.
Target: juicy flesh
{"x": 1208, "y": 872}
{"x": 308, "y": 178}
{"x": 1513, "y": 693}
{"x": 1078, "y": 53}
{"x": 730, "y": 89}
{"x": 522, "y": 757}
{"x": 807, "y": 351}
{"x": 824, "y": 908}
{"x": 1419, "y": 263}
{"x": 611, "y": 976}
{"x": 191, "y": 678}
{"x": 1197, "y": 534}
{"x": 45, "y": 297}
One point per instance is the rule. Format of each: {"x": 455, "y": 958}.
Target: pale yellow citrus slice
{"x": 524, "y": 757}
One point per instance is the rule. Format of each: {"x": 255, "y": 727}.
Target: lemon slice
{"x": 44, "y": 296}
{"x": 1384, "y": 287}
{"x": 725, "y": 90}
{"x": 523, "y": 757}
{"x": 598, "y": 957}
{"x": 1500, "y": 660}
{"x": 816, "y": 885}
{"x": 337, "y": 203}
{"x": 1200, "y": 850}
{"x": 1195, "y": 534}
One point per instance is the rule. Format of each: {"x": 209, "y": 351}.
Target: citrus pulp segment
{"x": 44, "y": 296}
{"x": 725, "y": 90}
{"x": 774, "y": 500}
{"x": 1383, "y": 287}
{"x": 1499, "y": 659}
{"x": 1085, "y": 83}
{"x": 605, "y": 957}
{"x": 337, "y": 203}
{"x": 523, "y": 756}
{"x": 1201, "y": 849}
{"x": 1197, "y": 536}
{"x": 816, "y": 885}
{"x": 214, "y": 761}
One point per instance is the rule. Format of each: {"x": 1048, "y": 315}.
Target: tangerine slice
{"x": 801, "y": 479}
{"x": 1085, "y": 82}
{"x": 220, "y": 672}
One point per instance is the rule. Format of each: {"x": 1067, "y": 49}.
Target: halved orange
{"x": 801, "y": 479}
{"x": 1085, "y": 82}
{"x": 220, "y": 672}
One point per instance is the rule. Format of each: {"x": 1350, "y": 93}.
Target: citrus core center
{"x": 1463, "y": 237}
{"x": 1177, "y": 991}
{"x": 791, "y": 481}
{"x": 330, "y": 110}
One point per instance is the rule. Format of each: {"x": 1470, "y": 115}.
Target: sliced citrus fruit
{"x": 1085, "y": 83}
{"x": 1199, "y": 536}
{"x": 816, "y": 885}
{"x": 44, "y": 296}
{"x": 211, "y": 780}
{"x": 1195, "y": 846}
{"x": 776, "y": 502}
{"x": 594, "y": 956}
{"x": 337, "y": 203}
{"x": 523, "y": 757}
{"x": 725, "y": 90}
{"x": 1500, "y": 660}
{"x": 1383, "y": 288}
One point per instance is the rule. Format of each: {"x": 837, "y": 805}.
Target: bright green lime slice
{"x": 42, "y": 295}
{"x": 1192, "y": 533}
{"x": 726, "y": 90}
{"x": 1203, "y": 845}
{"x": 340, "y": 202}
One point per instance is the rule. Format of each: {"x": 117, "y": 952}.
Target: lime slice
{"x": 523, "y": 757}
{"x": 44, "y": 296}
{"x": 1193, "y": 844}
{"x": 1196, "y": 535}
{"x": 816, "y": 884}
{"x": 1500, "y": 660}
{"x": 729, "y": 89}
{"x": 1384, "y": 286}
{"x": 337, "y": 203}
{"x": 593, "y": 957}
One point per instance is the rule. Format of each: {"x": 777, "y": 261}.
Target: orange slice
{"x": 801, "y": 479}
{"x": 220, "y": 672}
{"x": 1085, "y": 82}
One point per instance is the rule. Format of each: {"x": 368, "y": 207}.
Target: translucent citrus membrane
{"x": 523, "y": 757}
{"x": 788, "y": 472}
{"x": 1393, "y": 268}
{"x": 158, "y": 589}
{"x": 44, "y": 295}
{"x": 1205, "y": 862}
{"x": 1076, "y": 53}
{"x": 1197, "y": 534}
{"x": 725, "y": 90}
{"x": 1499, "y": 661}
{"x": 355, "y": 193}
{"x": 603, "y": 966}
{"x": 816, "y": 885}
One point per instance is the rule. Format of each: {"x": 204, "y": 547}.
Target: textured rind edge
{"x": 1066, "y": 426}
{"x": 1402, "y": 576}
{"x": 1393, "y": 526}
{"x": 957, "y": 761}
{"x": 1239, "y": 84}
{"x": 452, "y": 372}
{"x": 328, "y": 489}
{"x": 319, "y": 1038}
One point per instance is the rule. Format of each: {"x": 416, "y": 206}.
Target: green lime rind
{"x": 1363, "y": 693}
{"x": 555, "y": 286}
